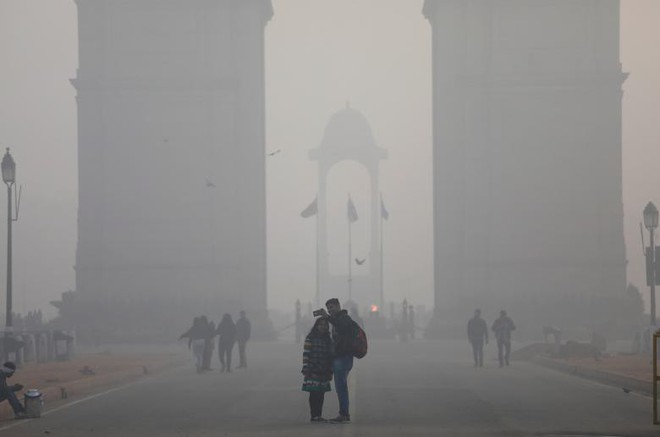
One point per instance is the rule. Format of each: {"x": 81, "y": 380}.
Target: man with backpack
{"x": 344, "y": 333}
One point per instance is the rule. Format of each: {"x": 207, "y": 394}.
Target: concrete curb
{"x": 608, "y": 378}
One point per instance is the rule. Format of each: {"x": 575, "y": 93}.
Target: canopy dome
{"x": 348, "y": 128}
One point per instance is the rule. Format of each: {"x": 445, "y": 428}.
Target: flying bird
{"x": 209, "y": 184}
{"x": 360, "y": 261}
{"x": 275, "y": 152}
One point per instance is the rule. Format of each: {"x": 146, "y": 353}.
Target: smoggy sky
{"x": 320, "y": 54}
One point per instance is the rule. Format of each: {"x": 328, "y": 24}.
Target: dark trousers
{"x": 316, "y": 403}
{"x": 208, "y": 353}
{"x": 10, "y": 396}
{"x": 503, "y": 351}
{"x": 478, "y": 352}
{"x": 224, "y": 351}
{"x": 241, "y": 353}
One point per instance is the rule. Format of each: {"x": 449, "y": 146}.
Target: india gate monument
{"x": 172, "y": 203}
{"x": 527, "y": 157}
{"x": 528, "y": 206}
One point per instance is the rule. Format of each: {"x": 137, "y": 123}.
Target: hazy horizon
{"x": 388, "y": 40}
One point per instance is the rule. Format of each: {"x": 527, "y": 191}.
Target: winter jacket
{"x": 317, "y": 362}
{"x": 342, "y": 333}
{"x": 227, "y": 332}
{"x": 502, "y": 328}
{"x": 477, "y": 330}
{"x": 243, "y": 329}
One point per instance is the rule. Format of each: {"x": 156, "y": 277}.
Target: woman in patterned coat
{"x": 317, "y": 367}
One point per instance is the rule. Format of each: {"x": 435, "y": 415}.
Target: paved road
{"x": 414, "y": 389}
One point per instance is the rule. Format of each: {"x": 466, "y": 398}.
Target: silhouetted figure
{"x": 342, "y": 335}
{"x": 317, "y": 366}
{"x": 404, "y": 329}
{"x": 209, "y": 345}
{"x": 8, "y": 392}
{"x": 502, "y": 328}
{"x": 411, "y": 321}
{"x": 243, "y": 331}
{"x": 227, "y": 337}
{"x": 477, "y": 334}
{"x": 11, "y": 345}
{"x": 195, "y": 336}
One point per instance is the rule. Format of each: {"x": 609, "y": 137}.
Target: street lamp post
{"x": 650, "y": 223}
{"x": 9, "y": 178}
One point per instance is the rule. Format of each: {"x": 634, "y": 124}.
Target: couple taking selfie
{"x": 327, "y": 354}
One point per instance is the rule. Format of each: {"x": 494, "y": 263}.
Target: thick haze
{"x": 320, "y": 54}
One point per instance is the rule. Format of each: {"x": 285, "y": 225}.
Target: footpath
{"x": 88, "y": 373}
{"x": 630, "y": 372}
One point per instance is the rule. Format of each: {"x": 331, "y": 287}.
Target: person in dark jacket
{"x": 209, "y": 344}
{"x": 477, "y": 331}
{"x": 317, "y": 367}
{"x": 8, "y": 392}
{"x": 195, "y": 336}
{"x": 243, "y": 329}
{"x": 227, "y": 337}
{"x": 502, "y": 328}
{"x": 343, "y": 332}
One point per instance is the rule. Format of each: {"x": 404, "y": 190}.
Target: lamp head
{"x": 650, "y": 216}
{"x": 8, "y": 169}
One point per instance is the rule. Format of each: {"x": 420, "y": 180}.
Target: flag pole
{"x": 382, "y": 282}
{"x": 350, "y": 264}
{"x": 318, "y": 263}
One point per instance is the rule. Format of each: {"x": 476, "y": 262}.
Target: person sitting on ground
{"x": 8, "y": 392}
{"x": 317, "y": 367}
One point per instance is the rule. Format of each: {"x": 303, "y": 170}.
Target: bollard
{"x": 33, "y": 403}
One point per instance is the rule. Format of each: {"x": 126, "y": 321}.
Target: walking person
{"x": 342, "y": 363}
{"x": 477, "y": 334}
{"x": 317, "y": 367}
{"x": 209, "y": 345}
{"x": 8, "y": 392}
{"x": 226, "y": 338}
{"x": 243, "y": 330}
{"x": 502, "y": 328}
{"x": 195, "y": 336}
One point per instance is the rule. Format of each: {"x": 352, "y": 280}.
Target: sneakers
{"x": 341, "y": 419}
{"x": 317, "y": 419}
{"x": 21, "y": 415}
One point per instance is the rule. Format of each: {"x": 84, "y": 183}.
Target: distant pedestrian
{"x": 477, "y": 334}
{"x": 209, "y": 345}
{"x": 243, "y": 331}
{"x": 317, "y": 367}
{"x": 8, "y": 392}
{"x": 227, "y": 337}
{"x": 343, "y": 332}
{"x": 502, "y": 328}
{"x": 195, "y": 336}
